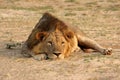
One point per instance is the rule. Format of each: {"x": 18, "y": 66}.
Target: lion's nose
{"x": 57, "y": 53}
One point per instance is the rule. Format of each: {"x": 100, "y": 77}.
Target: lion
{"x": 51, "y": 38}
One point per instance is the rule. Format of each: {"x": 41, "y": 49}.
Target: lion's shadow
{"x": 11, "y": 53}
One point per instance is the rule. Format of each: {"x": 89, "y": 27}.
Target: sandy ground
{"x": 99, "y": 19}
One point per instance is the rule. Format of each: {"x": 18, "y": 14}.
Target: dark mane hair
{"x": 49, "y": 23}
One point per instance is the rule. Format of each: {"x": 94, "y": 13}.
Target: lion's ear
{"x": 69, "y": 35}
{"x": 41, "y": 35}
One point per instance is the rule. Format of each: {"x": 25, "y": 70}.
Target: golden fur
{"x": 51, "y": 38}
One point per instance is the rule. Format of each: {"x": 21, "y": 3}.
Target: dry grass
{"x": 100, "y": 19}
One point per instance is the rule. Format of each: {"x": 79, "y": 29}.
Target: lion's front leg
{"x": 86, "y": 43}
{"x": 29, "y": 53}
{"x": 40, "y": 57}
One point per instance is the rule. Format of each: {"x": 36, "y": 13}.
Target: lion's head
{"x": 52, "y": 37}
{"x": 55, "y": 44}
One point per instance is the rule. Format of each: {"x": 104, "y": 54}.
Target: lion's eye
{"x": 63, "y": 43}
{"x": 49, "y": 43}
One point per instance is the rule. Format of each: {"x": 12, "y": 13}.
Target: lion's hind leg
{"x": 85, "y": 43}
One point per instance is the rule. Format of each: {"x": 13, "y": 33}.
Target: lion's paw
{"x": 77, "y": 49}
{"x": 40, "y": 57}
{"x": 107, "y": 51}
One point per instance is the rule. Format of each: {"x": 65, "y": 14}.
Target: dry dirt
{"x": 99, "y": 19}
